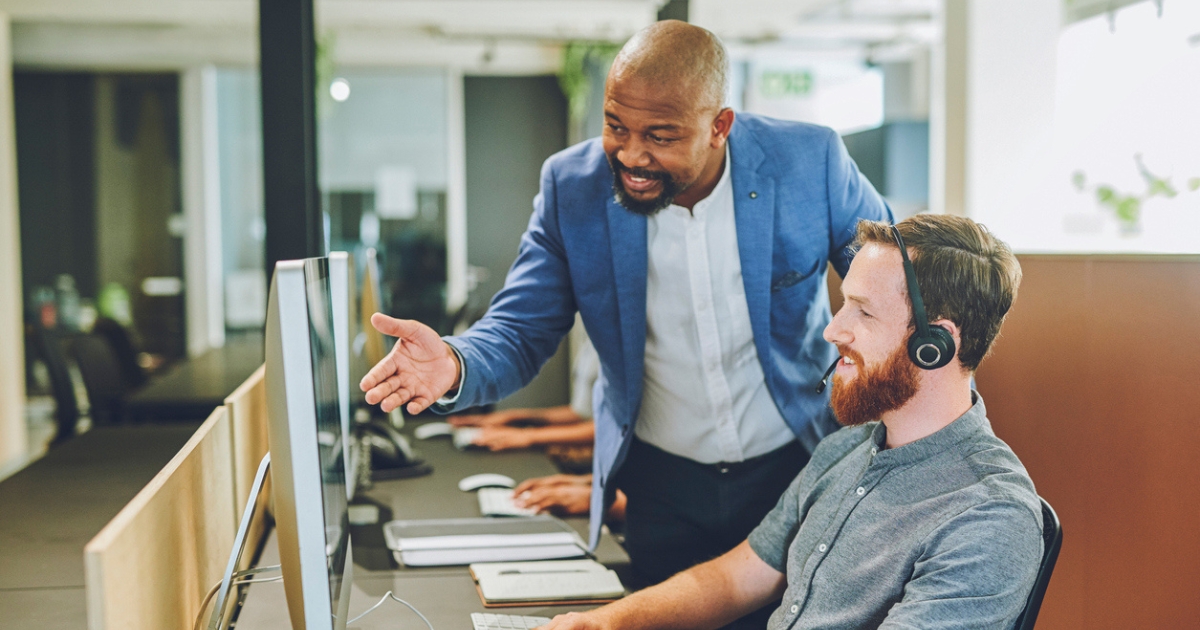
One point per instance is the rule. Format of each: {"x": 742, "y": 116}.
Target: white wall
{"x": 12, "y": 354}
{"x": 202, "y": 207}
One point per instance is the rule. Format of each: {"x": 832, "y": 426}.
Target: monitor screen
{"x": 329, "y": 421}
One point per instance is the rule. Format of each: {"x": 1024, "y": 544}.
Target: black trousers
{"x": 681, "y": 512}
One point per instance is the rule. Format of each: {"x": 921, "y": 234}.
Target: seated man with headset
{"x": 915, "y": 515}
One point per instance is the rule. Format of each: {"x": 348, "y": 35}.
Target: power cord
{"x": 236, "y": 580}
{"x": 384, "y": 599}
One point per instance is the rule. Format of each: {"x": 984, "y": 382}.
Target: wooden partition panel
{"x": 151, "y": 565}
{"x": 247, "y": 407}
{"x": 1095, "y": 383}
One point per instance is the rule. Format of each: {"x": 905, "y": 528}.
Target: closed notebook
{"x": 559, "y": 581}
{"x": 463, "y": 541}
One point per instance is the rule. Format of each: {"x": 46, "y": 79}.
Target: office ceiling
{"x": 501, "y": 35}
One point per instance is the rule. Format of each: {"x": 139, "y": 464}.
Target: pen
{"x": 520, "y": 572}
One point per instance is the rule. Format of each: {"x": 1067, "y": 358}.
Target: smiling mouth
{"x": 636, "y": 184}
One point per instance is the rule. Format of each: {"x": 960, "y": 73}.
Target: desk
{"x": 191, "y": 389}
{"x": 446, "y": 595}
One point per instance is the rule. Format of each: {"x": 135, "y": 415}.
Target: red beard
{"x": 874, "y": 391}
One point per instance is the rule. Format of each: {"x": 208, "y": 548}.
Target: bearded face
{"x": 874, "y": 390}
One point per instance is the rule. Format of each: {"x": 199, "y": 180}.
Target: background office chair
{"x": 48, "y": 345}
{"x": 1052, "y": 543}
{"x": 103, "y": 378}
{"x": 124, "y": 349}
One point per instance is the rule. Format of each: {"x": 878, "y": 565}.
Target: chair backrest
{"x": 121, "y": 342}
{"x": 48, "y": 345}
{"x": 106, "y": 386}
{"x": 1052, "y": 543}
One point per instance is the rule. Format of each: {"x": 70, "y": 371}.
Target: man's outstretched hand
{"x": 419, "y": 370}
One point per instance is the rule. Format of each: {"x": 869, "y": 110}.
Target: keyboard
{"x": 488, "y": 621}
{"x": 499, "y": 502}
{"x": 464, "y": 437}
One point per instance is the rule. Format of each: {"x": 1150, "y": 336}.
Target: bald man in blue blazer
{"x": 695, "y": 248}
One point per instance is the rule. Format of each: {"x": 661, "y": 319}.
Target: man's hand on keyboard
{"x": 564, "y": 500}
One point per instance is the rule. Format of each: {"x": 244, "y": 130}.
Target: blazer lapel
{"x": 754, "y": 212}
{"x": 627, "y": 236}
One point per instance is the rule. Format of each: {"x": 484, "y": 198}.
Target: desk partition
{"x": 150, "y": 567}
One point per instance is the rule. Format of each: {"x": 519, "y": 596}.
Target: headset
{"x": 931, "y": 347}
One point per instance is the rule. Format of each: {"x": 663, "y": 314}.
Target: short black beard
{"x": 650, "y": 207}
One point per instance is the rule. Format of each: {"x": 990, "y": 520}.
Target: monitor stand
{"x": 215, "y": 620}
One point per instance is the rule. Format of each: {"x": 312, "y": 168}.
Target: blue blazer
{"x": 797, "y": 199}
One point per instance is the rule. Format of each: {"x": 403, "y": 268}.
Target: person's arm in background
{"x": 851, "y": 199}
{"x": 562, "y": 414}
{"x": 708, "y": 595}
{"x": 508, "y": 438}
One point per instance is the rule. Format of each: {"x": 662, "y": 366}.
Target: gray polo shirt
{"x": 943, "y": 532}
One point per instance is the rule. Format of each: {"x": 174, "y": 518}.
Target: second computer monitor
{"x": 306, "y": 440}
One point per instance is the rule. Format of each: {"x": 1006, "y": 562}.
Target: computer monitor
{"x": 306, "y": 442}
{"x": 341, "y": 290}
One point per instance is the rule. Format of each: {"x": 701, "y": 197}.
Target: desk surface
{"x": 192, "y": 388}
{"x": 446, "y": 595}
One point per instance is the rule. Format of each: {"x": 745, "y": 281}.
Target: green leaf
{"x": 1079, "y": 179}
{"x": 1129, "y": 209}
{"x": 1105, "y": 194}
{"x": 1161, "y": 187}
{"x": 1194, "y": 184}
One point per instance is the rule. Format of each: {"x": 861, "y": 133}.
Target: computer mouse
{"x": 433, "y": 429}
{"x": 485, "y": 480}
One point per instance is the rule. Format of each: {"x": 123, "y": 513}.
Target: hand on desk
{"x": 564, "y": 495}
{"x": 575, "y": 621}
{"x": 418, "y": 371}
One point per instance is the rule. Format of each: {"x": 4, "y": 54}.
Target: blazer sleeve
{"x": 851, "y": 199}
{"x": 528, "y": 317}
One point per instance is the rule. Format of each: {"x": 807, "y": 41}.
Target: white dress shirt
{"x": 704, "y": 396}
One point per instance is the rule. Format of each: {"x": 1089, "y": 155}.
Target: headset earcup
{"x": 932, "y": 352}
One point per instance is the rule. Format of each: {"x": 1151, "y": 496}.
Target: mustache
{"x": 643, "y": 173}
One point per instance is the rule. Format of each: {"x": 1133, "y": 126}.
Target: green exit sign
{"x": 776, "y": 84}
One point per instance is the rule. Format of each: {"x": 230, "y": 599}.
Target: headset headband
{"x": 914, "y": 290}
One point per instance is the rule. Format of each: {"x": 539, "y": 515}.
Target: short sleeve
{"x": 773, "y": 536}
{"x": 975, "y": 571}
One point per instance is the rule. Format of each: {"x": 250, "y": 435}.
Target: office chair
{"x": 49, "y": 346}
{"x": 121, "y": 342}
{"x": 102, "y": 377}
{"x": 1052, "y": 543}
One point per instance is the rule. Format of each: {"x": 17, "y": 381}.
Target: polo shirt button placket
{"x": 794, "y": 609}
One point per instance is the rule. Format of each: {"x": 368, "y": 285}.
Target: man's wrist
{"x": 453, "y": 352}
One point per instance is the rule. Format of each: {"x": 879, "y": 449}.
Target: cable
{"x": 234, "y": 581}
{"x": 384, "y": 599}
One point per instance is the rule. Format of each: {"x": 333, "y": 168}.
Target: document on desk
{"x": 459, "y": 541}
{"x": 546, "y": 583}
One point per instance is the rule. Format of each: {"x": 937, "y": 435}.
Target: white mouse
{"x": 433, "y": 429}
{"x": 485, "y": 480}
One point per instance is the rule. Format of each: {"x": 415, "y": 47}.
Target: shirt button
{"x": 873, "y": 451}
{"x": 861, "y": 491}
{"x": 794, "y": 609}
{"x": 822, "y": 547}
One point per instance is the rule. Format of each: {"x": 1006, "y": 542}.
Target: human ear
{"x": 721, "y": 126}
{"x": 952, "y": 328}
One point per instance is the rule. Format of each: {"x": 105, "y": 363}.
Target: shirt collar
{"x": 968, "y": 425}
{"x": 723, "y": 187}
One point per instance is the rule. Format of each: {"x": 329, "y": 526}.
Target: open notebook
{"x": 546, "y": 583}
